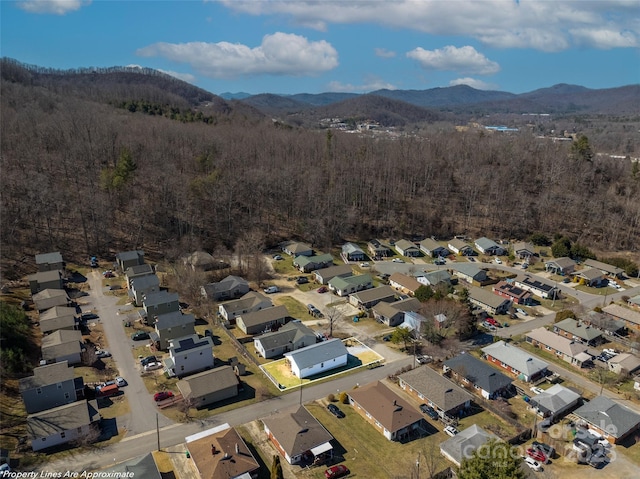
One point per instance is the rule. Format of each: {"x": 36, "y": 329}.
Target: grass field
{"x": 295, "y": 308}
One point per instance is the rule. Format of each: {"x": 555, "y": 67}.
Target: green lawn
{"x": 296, "y": 308}
{"x": 285, "y": 265}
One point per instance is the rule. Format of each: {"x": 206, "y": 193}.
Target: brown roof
{"x": 296, "y": 430}
{"x": 405, "y": 281}
{"x": 232, "y": 458}
{"x": 385, "y": 406}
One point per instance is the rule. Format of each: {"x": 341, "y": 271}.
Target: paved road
{"x": 142, "y": 417}
{"x": 133, "y": 446}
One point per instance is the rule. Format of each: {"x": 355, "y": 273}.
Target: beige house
{"x": 208, "y": 387}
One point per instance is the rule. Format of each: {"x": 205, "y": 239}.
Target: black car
{"x": 429, "y": 411}
{"x": 87, "y": 316}
{"x": 147, "y": 360}
{"x": 598, "y": 459}
{"x": 140, "y": 336}
{"x": 335, "y": 410}
{"x": 546, "y": 449}
{"x": 302, "y": 280}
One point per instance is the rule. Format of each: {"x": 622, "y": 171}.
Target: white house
{"x": 318, "y": 358}
{"x": 190, "y": 354}
{"x": 249, "y": 303}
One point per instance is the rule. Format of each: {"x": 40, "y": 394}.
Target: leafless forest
{"x": 86, "y": 177}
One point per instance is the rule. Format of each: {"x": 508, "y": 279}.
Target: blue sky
{"x": 296, "y": 46}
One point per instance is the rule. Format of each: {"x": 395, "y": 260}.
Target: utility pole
{"x": 158, "y": 431}
{"x": 418, "y": 467}
{"x": 301, "y": 389}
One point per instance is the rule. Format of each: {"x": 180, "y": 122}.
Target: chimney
{"x": 237, "y": 449}
{"x": 213, "y": 450}
{"x": 395, "y": 403}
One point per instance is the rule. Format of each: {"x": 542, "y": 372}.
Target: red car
{"x": 322, "y": 289}
{"x": 336, "y": 471}
{"x": 162, "y": 395}
{"x": 493, "y": 322}
{"x": 537, "y": 455}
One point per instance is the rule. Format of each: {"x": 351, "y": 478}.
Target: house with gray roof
{"x": 58, "y": 317}
{"x": 344, "y": 286}
{"x": 592, "y": 277}
{"x": 491, "y": 303}
{"x": 370, "y": 297}
{"x": 470, "y": 273}
{"x": 295, "y": 433}
{"x": 62, "y": 424}
{"x": 604, "y": 323}
{"x": 45, "y": 280}
{"x": 189, "y": 354}
{"x": 138, "y": 271}
{"x": 173, "y": 325}
{"x": 631, "y": 318}
{"x": 141, "y": 286}
{"x": 297, "y": 249}
{"x": 474, "y": 373}
{"x": 461, "y": 248}
{"x": 306, "y": 264}
{"x": 515, "y": 360}
{"x": 392, "y": 314}
{"x": 573, "y": 352}
{"x": 208, "y": 387}
{"x": 249, "y": 303}
{"x": 624, "y": 362}
{"x": 317, "y": 358}
{"x": 432, "y": 248}
{"x": 555, "y": 402}
{"x": 290, "y": 337}
{"x": 523, "y": 250}
{"x": 537, "y": 286}
{"x": 562, "y": 266}
{"x": 142, "y": 466}
{"x": 50, "y": 298}
{"x": 378, "y": 249}
{"x": 323, "y": 276}
{"x": 434, "y": 278}
{"x": 262, "y": 321}
{"x": 608, "y": 418}
{"x": 51, "y": 386}
{"x": 489, "y": 247}
{"x": 352, "y": 252}
{"x": 407, "y": 248}
{"x": 161, "y": 302}
{"x": 230, "y": 287}
{"x": 462, "y": 445}
{"x": 577, "y": 330}
{"x": 127, "y": 259}
{"x": 604, "y": 268}
{"x": 50, "y": 261}
{"x": 439, "y": 392}
{"x": 385, "y": 410}
{"x": 62, "y": 345}
{"x": 634, "y": 302}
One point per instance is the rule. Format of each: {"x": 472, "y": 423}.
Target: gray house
{"x": 484, "y": 379}
{"x": 51, "y": 386}
{"x": 50, "y": 298}
{"x": 378, "y": 249}
{"x": 352, "y": 252}
{"x": 370, "y": 297}
{"x": 350, "y": 284}
{"x": 46, "y": 280}
{"x": 263, "y": 320}
{"x": 470, "y": 273}
{"x": 173, "y": 325}
{"x": 158, "y": 303}
{"x": 392, "y": 314}
{"x": 463, "y": 444}
{"x": 142, "y": 286}
{"x": 491, "y": 303}
{"x": 524, "y": 250}
{"x": 209, "y": 387}
{"x": 58, "y": 317}
{"x": 62, "y": 424}
{"x": 62, "y": 345}
{"x": 609, "y": 418}
{"x": 323, "y": 276}
{"x": 432, "y": 248}
{"x": 230, "y": 287}
{"x": 407, "y": 248}
{"x": 291, "y": 336}
{"x": 555, "y": 402}
{"x": 138, "y": 271}
{"x": 561, "y": 266}
{"x": 127, "y": 259}
{"x": 490, "y": 247}
{"x": 249, "y": 303}
{"x": 297, "y": 249}
{"x": 434, "y": 278}
{"x": 307, "y": 264}
{"x": 50, "y": 261}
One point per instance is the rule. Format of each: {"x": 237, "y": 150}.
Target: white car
{"x": 102, "y": 353}
{"x": 364, "y": 265}
{"x": 120, "y": 382}
{"x": 522, "y": 312}
{"x": 498, "y": 260}
{"x": 152, "y": 366}
{"x": 397, "y": 260}
{"x": 271, "y": 289}
{"x": 450, "y": 430}
{"x": 537, "y": 390}
{"x": 532, "y": 463}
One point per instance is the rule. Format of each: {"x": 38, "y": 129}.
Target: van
{"x": 107, "y": 391}
{"x": 271, "y": 289}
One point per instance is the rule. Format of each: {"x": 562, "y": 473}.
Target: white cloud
{"x": 279, "y": 54}
{"x": 372, "y": 84}
{"x": 473, "y": 83}
{"x": 464, "y": 59}
{"x": 188, "y": 77}
{"x": 55, "y": 7}
{"x": 604, "y": 38}
{"x": 384, "y": 53}
{"x": 542, "y": 25}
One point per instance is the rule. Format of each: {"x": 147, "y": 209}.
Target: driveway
{"x": 142, "y": 417}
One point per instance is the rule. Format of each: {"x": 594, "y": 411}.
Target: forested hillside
{"x": 84, "y": 175}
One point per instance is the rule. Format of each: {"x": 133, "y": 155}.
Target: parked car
{"x": 152, "y": 366}
{"x": 323, "y": 289}
{"x": 489, "y": 326}
{"x": 148, "y": 359}
{"x": 277, "y": 257}
{"x": 364, "y": 265}
{"x": 387, "y": 338}
{"x": 429, "y": 411}
{"x": 108, "y": 274}
{"x": 546, "y": 449}
{"x": 335, "y": 410}
{"x": 450, "y": 430}
{"x": 471, "y": 259}
{"x": 120, "y": 381}
{"x": 598, "y": 459}
{"x": 537, "y": 455}
{"x": 498, "y": 260}
{"x": 522, "y": 312}
{"x": 140, "y": 336}
{"x": 440, "y": 260}
{"x": 525, "y": 265}
{"x": 102, "y": 353}
{"x": 493, "y": 322}
{"x": 533, "y": 464}
{"x": 162, "y": 395}
{"x": 334, "y": 472}
{"x": 87, "y": 316}
{"x": 302, "y": 280}
{"x": 536, "y": 390}
{"x": 397, "y": 260}
{"x": 422, "y": 359}
{"x": 271, "y": 289}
